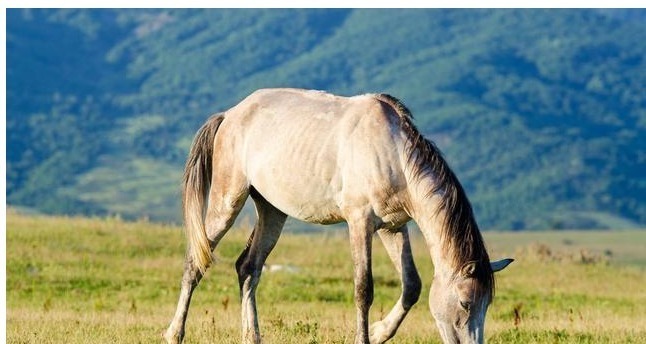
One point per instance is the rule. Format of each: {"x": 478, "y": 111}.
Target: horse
{"x": 325, "y": 159}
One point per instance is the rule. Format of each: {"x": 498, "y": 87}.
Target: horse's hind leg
{"x": 249, "y": 265}
{"x": 191, "y": 277}
{"x": 224, "y": 205}
{"x": 398, "y": 247}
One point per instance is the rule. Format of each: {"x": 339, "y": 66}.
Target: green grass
{"x": 79, "y": 280}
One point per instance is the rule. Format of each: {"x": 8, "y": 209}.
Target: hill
{"x": 539, "y": 112}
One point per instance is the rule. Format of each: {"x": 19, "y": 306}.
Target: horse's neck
{"x": 430, "y": 218}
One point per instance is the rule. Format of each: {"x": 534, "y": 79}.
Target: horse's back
{"x": 310, "y": 153}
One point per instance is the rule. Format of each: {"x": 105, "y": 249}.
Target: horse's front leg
{"x": 397, "y": 245}
{"x": 361, "y": 231}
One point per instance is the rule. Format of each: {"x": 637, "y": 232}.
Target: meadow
{"x": 81, "y": 280}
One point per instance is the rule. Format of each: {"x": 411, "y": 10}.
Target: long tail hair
{"x": 196, "y": 186}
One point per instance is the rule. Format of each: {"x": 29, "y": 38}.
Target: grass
{"x": 79, "y": 280}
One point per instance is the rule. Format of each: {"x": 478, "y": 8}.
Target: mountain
{"x": 541, "y": 113}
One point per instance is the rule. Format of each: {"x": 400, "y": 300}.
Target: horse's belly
{"x": 318, "y": 213}
{"x": 305, "y": 204}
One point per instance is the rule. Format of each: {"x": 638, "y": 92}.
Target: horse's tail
{"x": 196, "y": 186}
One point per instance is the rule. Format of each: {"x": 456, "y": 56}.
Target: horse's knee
{"x": 412, "y": 291}
{"x": 364, "y": 292}
{"x": 243, "y": 267}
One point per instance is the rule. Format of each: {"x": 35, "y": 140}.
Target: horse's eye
{"x": 466, "y": 305}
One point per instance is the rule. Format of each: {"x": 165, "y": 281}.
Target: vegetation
{"x": 80, "y": 280}
{"x": 540, "y": 112}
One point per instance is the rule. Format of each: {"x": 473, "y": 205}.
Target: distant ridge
{"x": 539, "y": 112}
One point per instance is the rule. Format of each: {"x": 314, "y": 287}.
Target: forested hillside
{"x": 541, "y": 113}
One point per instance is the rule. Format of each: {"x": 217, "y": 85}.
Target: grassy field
{"x": 76, "y": 280}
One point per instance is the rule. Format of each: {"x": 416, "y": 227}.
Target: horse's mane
{"x": 460, "y": 229}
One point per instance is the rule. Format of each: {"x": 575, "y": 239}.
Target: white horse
{"x": 325, "y": 159}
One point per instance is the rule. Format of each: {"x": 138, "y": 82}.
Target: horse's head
{"x": 459, "y": 301}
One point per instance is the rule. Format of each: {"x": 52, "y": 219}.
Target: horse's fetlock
{"x": 173, "y": 337}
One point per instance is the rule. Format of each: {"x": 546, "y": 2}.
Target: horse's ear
{"x": 500, "y": 264}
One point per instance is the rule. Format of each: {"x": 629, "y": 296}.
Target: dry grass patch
{"x": 76, "y": 280}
